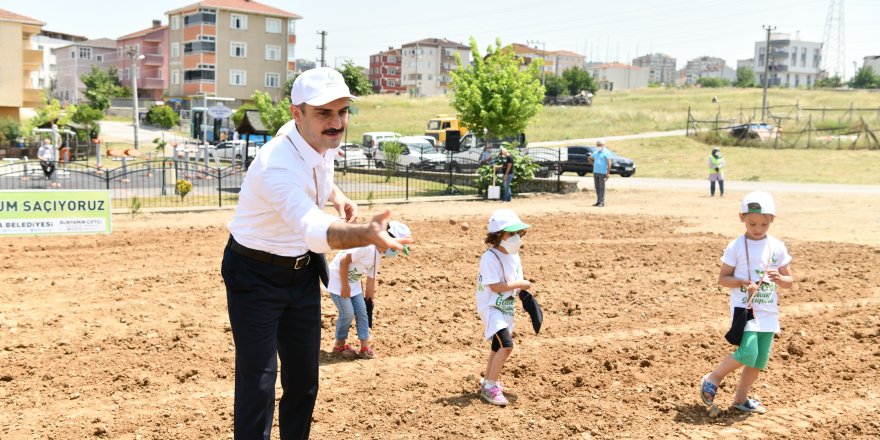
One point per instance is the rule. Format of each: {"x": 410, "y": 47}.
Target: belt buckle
{"x": 302, "y": 261}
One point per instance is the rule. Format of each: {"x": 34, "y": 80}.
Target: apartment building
{"x": 618, "y": 76}
{"x": 21, "y": 61}
{"x": 661, "y": 67}
{"x": 385, "y": 72}
{"x": 230, "y": 48}
{"x": 45, "y": 42}
{"x": 76, "y": 59}
{"x": 705, "y": 67}
{"x": 152, "y": 70}
{"x": 301, "y": 65}
{"x": 792, "y": 62}
{"x": 426, "y": 65}
{"x": 873, "y": 61}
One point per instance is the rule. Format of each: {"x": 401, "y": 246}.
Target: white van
{"x": 417, "y": 154}
{"x": 372, "y": 139}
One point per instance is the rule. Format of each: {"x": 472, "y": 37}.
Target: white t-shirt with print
{"x": 496, "y": 309}
{"x": 364, "y": 261}
{"x": 766, "y": 254}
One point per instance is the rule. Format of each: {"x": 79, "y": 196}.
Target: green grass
{"x": 614, "y": 113}
{"x": 686, "y": 158}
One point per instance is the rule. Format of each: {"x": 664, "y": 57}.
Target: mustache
{"x": 333, "y": 131}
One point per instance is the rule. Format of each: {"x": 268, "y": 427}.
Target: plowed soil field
{"x": 126, "y": 336}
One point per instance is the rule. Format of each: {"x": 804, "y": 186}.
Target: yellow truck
{"x": 438, "y": 125}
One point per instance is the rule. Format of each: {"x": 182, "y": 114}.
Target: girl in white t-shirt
{"x": 754, "y": 266}
{"x": 500, "y": 279}
{"x": 348, "y": 296}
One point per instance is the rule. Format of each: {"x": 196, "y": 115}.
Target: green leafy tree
{"x": 163, "y": 116}
{"x": 832, "y": 82}
{"x": 579, "y": 79}
{"x": 10, "y": 130}
{"x": 494, "y": 93}
{"x": 52, "y": 111}
{"x": 745, "y": 77}
{"x": 100, "y": 87}
{"x": 90, "y": 117}
{"x": 865, "y": 78}
{"x": 713, "y": 82}
{"x": 288, "y": 85}
{"x": 239, "y": 112}
{"x": 273, "y": 116}
{"x": 392, "y": 151}
{"x": 555, "y": 86}
{"x": 356, "y": 80}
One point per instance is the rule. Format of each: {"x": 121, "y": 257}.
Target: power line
{"x": 833, "y": 41}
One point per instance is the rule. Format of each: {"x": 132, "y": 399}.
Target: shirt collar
{"x": 309, "y": 155}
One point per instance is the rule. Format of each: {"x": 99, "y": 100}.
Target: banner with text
{"x": 54, "y": 212}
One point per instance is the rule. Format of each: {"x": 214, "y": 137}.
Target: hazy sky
{"x": 601, "y": 30}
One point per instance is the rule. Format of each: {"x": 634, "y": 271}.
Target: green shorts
{"x": 754, "y": 350}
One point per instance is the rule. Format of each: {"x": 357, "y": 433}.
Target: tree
{"x": 745, "y": 77}
{"x": 51, "y": 111}
{"x": 713, "y": 82}
{"x": 273, "y": 116}
{"x": 356, "y": 80}
{"x": 494, "y": 94}
{"x": 239, "y": 112}
{"x": 830, "y": 82}
{"x": 100, "y": 87}
{"x": 865, "y": 78}
{"x": 555, "y": 86}
{"x": 288, "y": 85}
{"x": 10, "y": 130}
{"x": 163, "y": 116}
{"x": 578, "y": 80}
{"x": 88, "y": 116}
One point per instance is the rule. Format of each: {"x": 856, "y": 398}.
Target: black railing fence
{"x": 139, "y": 183}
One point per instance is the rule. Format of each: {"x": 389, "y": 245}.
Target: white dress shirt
{"x": 279, "y": 207}
{"x": 46, "y": 152}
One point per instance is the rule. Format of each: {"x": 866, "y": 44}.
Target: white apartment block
{"x": 427, "y": 65}
{"x": 873, "y": 61}
{"x": 45, "y": 42}
{"x": 661, "y": 67}
{"x": 792, "y": 62}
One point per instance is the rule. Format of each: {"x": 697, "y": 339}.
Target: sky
{"x": 601, "y": 30}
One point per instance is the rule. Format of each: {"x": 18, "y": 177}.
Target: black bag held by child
{"x": 741, "y": 316}
{"x": 531, "y": 306}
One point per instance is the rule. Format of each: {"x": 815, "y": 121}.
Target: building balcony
{"x": 32, "y": 98}
{"x": 153, "y": 60}
{"x": 151, "y": 83}
{"x": 32, "y": 59}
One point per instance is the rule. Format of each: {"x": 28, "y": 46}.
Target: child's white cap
{"x": 398, "y": 230}
{"x": 758, "y": 202}
{"x": 505, "y": 220}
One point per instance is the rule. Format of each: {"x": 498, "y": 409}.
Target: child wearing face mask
{"x": 350, "y": 298}
{"x": 500, "y": 279}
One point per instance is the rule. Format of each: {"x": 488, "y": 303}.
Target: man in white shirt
{"x": 275, "y": 257}
{"x": 47, "y": 157}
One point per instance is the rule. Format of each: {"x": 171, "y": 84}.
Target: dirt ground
{"x": 126, "y": 336}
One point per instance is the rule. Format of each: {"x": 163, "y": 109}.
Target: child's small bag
{"x": 742, "y": 315}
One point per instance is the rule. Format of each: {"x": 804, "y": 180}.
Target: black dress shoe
{"x": 600, "y": 205}
{"x": 596, "y": 204}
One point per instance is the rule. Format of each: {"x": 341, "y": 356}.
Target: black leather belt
{"x": 265, "y": 257}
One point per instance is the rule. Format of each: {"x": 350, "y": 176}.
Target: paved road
{"x": 592, "y": 141}
{"x": 617, "y": 182}
{"x": 114, "y": 131}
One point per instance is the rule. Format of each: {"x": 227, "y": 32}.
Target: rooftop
{"x": 18, "y": 18}
{"x": 238, "y": 6}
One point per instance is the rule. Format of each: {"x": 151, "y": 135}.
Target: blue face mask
{"x": 390, "y": 252}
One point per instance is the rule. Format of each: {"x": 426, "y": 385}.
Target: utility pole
{"x": 323, "y": 46}
{"x": 135, "y": 58}
{"x": 416, "y": 91}
{"x": 543, "y": 55}
{"x": 766, "y": 72}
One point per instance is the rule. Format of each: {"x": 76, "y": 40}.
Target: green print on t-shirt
{"x": 354, "y": 276}
{"x": 505, "y": 305}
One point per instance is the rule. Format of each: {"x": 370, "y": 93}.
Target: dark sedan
{"x": 578, "y": 162}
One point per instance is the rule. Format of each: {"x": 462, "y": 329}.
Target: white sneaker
{"x": 493, "y": 395}
{"x": 483, "y": 383}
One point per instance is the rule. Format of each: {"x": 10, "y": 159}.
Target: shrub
{"x": 163, "y": 116}
{"x": 183, "y": 188}
{"x": 524, "y": 169}
{"x": 392, "y": 150}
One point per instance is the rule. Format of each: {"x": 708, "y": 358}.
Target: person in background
{"x": 486, "y": 155}
{"x": 48, "y": 156}
{"x": 716, "y": 172}
{"x": 601, "y": 161}
{"x": 506, "y": 168}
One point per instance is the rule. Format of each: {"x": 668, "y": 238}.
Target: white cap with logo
{"x": 505, "y": 220}
{"x": 758, "y": 202}
{"x": 319, "y": 86}
{"x": 398, "y": 230}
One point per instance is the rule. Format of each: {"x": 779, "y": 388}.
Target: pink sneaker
{"x": 493, "y": 395}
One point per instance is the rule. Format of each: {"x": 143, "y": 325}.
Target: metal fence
{"x": 152, "y": 183}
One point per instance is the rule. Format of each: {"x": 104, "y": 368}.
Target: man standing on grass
{"x": 601, "y": 161}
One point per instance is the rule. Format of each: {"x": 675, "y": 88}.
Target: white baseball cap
{"x": 600, "y": 142}
{"x": 758, "y": 202}
{"x": 398, "y": 230}
{"x": 505, "y": 220}
{"x": 319, "y": 86}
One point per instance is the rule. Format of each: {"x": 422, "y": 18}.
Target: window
{"x": 127, "y": 73}
{"x": 99, "y": 58}
{"x": 206, "y": 16}
{"x": 273, "y": 80}
{"x": 72, "y": 53}
{"x": 85, "y": 53}
{"x": 175, "y": 22}
{"x": 239, "y": 21}
{"x": 175, "y": 77}
{"x": 803, "y": 57}
{"x": 204, "y": 44}
{"x": 273, "y": 25}
{"x": 794, "y": 56}
{"x": 175, "y": 50}
{"x": 119, "y": 52}
{"x": 238, "y": 50}
{"x": 290, "y": 52}
{"x": 291, "y": 26}
{"x": 237, "y": 77}
{"x": 203, "y": 72}
{"x": 273, "y": 53}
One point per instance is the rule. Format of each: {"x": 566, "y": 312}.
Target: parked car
{"x": 372, "y": 139}
{"x": 229, "y": 150}
{"x": 417, "y": 153}
{"x": 351, "y": 155}
{"x": 762, "y": 132}
{"x": 578, "y": 161}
